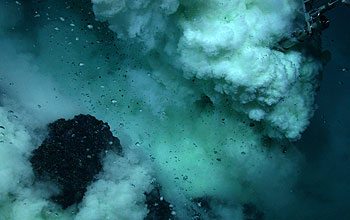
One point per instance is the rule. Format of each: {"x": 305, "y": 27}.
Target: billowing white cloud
{"x": 231, "y": 48}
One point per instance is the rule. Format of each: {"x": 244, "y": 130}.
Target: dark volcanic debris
{"x": 71, "y": 156}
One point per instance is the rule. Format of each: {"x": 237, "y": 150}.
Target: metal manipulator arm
{"x": 315, "y": 21}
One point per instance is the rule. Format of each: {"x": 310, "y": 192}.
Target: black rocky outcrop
{"x": 251, "y": 212}
{"x": 71, "y": 155}
{"x": 159, "y": 208}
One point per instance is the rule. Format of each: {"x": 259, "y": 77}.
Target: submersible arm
{"x": 316, "y": 22}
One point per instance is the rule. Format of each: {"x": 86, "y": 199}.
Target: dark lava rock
{"x": 159, "y": 209}
{"x": 251, "y": 212}
{"x": 71, "y": 155}
{"x": 202, "y": 208}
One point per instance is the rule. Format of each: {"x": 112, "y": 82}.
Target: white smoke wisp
{"x": 121, "y": 187}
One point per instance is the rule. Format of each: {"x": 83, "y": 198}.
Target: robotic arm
{"x": 316, "y": 22}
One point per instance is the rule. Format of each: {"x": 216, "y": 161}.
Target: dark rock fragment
{"x": 159, "y": 209}
{"x": 71, "y": 156}
{"x": 251, "y": 212}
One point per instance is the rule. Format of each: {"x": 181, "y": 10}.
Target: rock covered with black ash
{"x": 71, "y": 155}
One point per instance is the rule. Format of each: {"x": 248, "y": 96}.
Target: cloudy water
{"x": 172, "y": 109}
